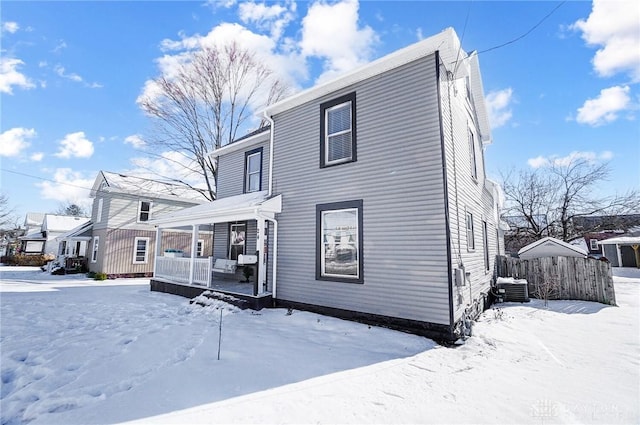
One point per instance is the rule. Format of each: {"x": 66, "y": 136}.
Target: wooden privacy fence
{"x": 573, "y": 278}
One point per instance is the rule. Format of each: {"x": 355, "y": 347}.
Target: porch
{"x": 239, "y": 225}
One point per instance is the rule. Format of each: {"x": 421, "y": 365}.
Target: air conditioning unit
{"x": 512, "y": 289}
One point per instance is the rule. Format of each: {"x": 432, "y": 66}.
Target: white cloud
{"x": 605, "y": 108}
{"x": 61, "y": 45}
{"x": 75, "y": 145}
{"x": 272, "y": 18}
{"x": 135, "y": 141}
{"x": 37, "y": 156}
{"x": 331, "y": 32}
{"x": 68, "y": 186}
{"x": 14, "y": 141}
{"x": 563, "y": 161}
{"x": 11, "y": 27}
{"x": 10, "y": 76}
{"x": 61, "y": 71}
{"x": 498, "y": 105}
{"x": 614, "y": 26}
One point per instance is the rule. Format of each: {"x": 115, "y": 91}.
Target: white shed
{"x": 550, "y": 247}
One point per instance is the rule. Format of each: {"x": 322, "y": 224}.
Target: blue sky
{"x": 71, "y": 72}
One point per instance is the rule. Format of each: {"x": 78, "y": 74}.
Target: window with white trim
{"x": 144, "y": 211}
{"x": 472, "y": 153}
{"x": 338, "y": 131}
{"x": 471, "y": 243}
{"x": 593, "y": 245}
{"x": 485, "y": 244}
{"x": 339, "y": 242}
{"x": 140, "y": 250}
{"x": 94, "y": 252}
{"x": 99, "y": 212}
{"x": 253, "y": 171}
{"x": 199, "y": 247}
{"x": 237, "y": 236}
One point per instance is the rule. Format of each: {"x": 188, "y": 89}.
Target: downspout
{"x": 271, "y": 130}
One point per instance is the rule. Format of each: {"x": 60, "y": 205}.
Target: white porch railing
{"x": 177, "y": 269}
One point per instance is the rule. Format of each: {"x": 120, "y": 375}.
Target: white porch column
{"x": 158, "y": 248}
{"x": 262, "y": 265}
{"x": 195, "y": 229}
{"x": 619, "y": 255}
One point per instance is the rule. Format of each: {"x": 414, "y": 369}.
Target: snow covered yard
{"x": 79, "y": 351}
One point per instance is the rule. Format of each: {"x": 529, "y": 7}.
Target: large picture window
{"x": 237, "y": 237}
{"x": 339, "y": 242}
{"x": 253, "y": 171}
{"x": 141, "y": 250}
{"x": 338, "y": 131}
{"x": 144, "y": 211}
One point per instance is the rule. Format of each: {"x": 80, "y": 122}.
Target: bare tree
{"x": 548, "y": 201}
{"x": 206, "y": 103}
{"x": 71, "y": 209}
{"x": 7, "y": 216}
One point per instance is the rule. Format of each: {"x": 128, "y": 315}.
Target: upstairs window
{"x": 471, "y": 243}
{"x": 144, "y": 211}
{"x": 99, "y": 212}
{"x": 338, "y": 131}
{"x": 593, "y": 245}
{"x": 253, "y": 171}
{"x": 472, "y": 153}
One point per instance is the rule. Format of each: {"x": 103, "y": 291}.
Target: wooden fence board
{"x": 575, "y": 278}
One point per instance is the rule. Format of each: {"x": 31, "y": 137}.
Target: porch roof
{"x": 622, "y": 240}
{"x": 247, "y": 206}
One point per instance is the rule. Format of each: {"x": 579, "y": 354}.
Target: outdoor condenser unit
{"x": 511, "y": 289}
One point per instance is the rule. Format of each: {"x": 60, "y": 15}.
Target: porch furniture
{"x": 222, "y": 265}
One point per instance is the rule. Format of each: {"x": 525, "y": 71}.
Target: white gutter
{"x": 271, "y": 129}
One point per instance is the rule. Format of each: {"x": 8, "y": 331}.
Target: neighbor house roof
{"x": 549, "y": 246}
{"x": 82, "y": 232}
{"x": 62, "y": 223}
{"x": 107, "y": 181}
{"x": 455, "y": 60}
{"x": 33, "y": 219}
{"x": 622, "y": 240}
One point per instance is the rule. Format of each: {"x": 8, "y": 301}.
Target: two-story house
{"x": 365, "y": 198}
{"x": 42, "y": 239}
{"x": 120, "y": 240}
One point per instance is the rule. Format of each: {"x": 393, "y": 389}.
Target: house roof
{"x": 260, "y": 135}
{"x": 81, "y": 232}
{"x": 33, "y": 219}
{"x": 549, "y": 242}
{"x": 241, "y": 207}
{"x": 62, "y": 223}
{"x": 454, "y": 59}
{"x": 622, "y": 240}
{"x": 33, "y": 236}
{"x": 107, "y": 181}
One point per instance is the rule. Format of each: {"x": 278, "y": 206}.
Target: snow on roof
{"x": 454, "y": 59}
{"x": 33, "y": 219}
{"x": 551, "y": 245}
{"x": 62, "y": 223}
{"x": 238, "y": 207}
{"x": 37, "y": 235}
{"x": 622, "y": 240}
{"x": 108, "y": 181}
{"x": 81, "y": 231}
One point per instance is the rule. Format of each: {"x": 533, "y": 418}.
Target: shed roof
{"x": 553, "y": 243}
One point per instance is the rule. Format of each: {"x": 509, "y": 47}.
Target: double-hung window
{"x": 144, "y": 211}
{"x": 94, "y": 253}
{"x": 339, "y": 242}
{"x": 99, "y": 210}
{"x": 472, "y": 153}
{"x": 338, "y": 131}
{"x": 471, "y": 243}
{"x": 253, "y": 171}
{"x": 485, "y": 244}
{"x": 593, "y": 245}
{"x": 140, "y": 250}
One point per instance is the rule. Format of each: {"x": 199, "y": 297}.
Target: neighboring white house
{"x": 42, "y": 239}
{"x": 551, "y": 247}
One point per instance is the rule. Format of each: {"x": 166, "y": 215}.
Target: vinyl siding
{"x": 398, "y": 175}
{"x": 231, "y": 170}
{"x": 466, "y": 194}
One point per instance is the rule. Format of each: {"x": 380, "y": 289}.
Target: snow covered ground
{"x": 77, "y": 351}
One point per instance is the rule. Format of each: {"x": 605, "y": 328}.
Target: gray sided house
{"x": 368, "y": 196}
{"x": 122, "y": 242}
